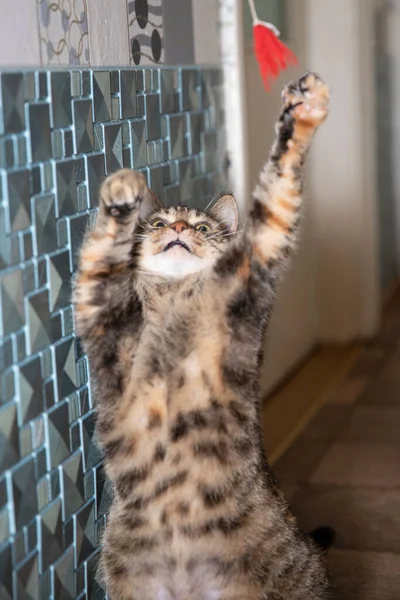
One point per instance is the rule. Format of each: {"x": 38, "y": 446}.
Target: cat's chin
{"x": 176, "y": 262}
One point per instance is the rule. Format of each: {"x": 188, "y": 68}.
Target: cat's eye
{"x": 203, "y": 227}
{"x": 158, "y": 223}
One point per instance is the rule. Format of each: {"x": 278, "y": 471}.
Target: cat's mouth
{"x": 177, "y": 243}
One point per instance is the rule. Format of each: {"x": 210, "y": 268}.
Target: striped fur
{"x": 175, "y": 362}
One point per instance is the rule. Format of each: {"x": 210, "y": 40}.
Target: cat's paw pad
{"x": 123, "y": 191}
{"x": 308, "y": 99}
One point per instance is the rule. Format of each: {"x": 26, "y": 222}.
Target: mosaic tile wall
{"x": 61, "y": 132}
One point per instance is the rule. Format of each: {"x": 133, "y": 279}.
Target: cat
{"x": 171, "y": 305}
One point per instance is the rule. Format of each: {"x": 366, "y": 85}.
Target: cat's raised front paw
{"x": 309, "y": 99}
{"x": 122, "y": 192}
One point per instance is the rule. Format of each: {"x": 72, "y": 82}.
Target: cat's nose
{"x": 179, "y": 226}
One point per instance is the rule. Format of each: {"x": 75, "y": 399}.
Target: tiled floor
{"x": 344, "y": 471}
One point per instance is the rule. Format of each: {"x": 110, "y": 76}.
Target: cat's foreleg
{"x": 277, "y": 199}
{"x": 100, "y": 285}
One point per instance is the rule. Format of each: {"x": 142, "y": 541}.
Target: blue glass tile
{"x": 101, "y": 89}
{"x": 40, "y": 133}
{"x": 24, "y": 501}
{"x": 139, "y": 146}
{"x": 12, "y": 301}
{"x": 61, "y": 99}
{"x": 153, "y": 116}
{"x": 128, "y": 94}
{"x": 30, "y": 390}
{"x": 56, "y": 145}
{"x": 83, "y": 126}
{"x": 27, "y": 579}
{"x": 113, "y": 147}
{"x": 51, "y": 531}
{"x": 12, "y": 115}
{"x": 45, "y": 223}
{"x": 66, "y": 188}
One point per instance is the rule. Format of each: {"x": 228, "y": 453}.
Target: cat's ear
{"x": 225, "y": 211}
{"x": 149, "y": 205}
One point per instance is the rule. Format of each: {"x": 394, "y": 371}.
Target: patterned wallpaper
{"x": 68, "y": 30}
{"x": 145, "y": 31}
{"x": 63, "y": 32}
{"x": 61, "y": 132}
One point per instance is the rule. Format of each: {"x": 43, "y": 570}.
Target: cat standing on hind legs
{"x": 171, "y": 305}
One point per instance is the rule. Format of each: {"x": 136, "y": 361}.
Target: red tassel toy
{"x": 272, "y": 55}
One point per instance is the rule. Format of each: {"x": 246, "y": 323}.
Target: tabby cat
{"x": 172, "y": 305}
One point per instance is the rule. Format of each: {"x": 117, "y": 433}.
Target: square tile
{"x": 366, "y": 575}
{"x": 153, "y": 116}
{"x": 95, "y": 169}
{"x": 329, "y": 423}
{"x": 101, "y": 89}
{"x": 83, "y": 126}
{"x": 30, "y": 391}
{"x": 354, "y": 464}
{"x": 299, "y": 461}
{"x": 168, "y": 90}
{"x": 45, "y": 223}
{"x": 39, "y": 320}
{"x": 349, "y": 391}
{"x": 66, "y": 188}
{"x": 61, "y": 99}
{"x": 9, "y": 452}
{"x": 24, "y": 501}
{"x": 12, "y": 301}
{"x": 40, "y": 136}
{"x": 373, "y": 424}
{"x": 72, "y": 476}
{"x": 128, "y": 94}
{"x": 384, "y": 390}
{"x": 191, "y": 90}
{"x": 138, "y": 142}
{"x": 27, "y": 579}
{"x": 57, "y": 425}
{"x": 113, "y": 147}
{"x": 363, "y": 519}
{"x": 65, "y": 365}
{"x": 12, "y": 94}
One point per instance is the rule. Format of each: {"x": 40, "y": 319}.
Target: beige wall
{"x": 343, "y": 170}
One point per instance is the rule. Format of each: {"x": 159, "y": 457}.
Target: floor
{"x": 344, "y": 471}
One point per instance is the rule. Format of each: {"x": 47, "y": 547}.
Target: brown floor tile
{"x": 359, "y": 464}
{"x": 364, "y": 575}
{"x": 392, "y": 368}
{"x": 289, "y": 489}
{"x": 372, "y": 424}
{"x": 381, "y": 391}
{"x": 300, "y": 460}
{"x": 350, "y": 390}
{"x": 328, "y": 423}
{"x": 370, "y": 362}
{"x": 363, "y": 519}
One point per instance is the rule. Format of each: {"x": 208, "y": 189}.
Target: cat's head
{"x": 179, "y": 241}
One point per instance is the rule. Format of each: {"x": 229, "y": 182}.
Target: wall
{"x": 293, "y": 329}
{"x": 82, "y": 32}
{"x": 343, "y": 170}
{"x": 61, "y": 132}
